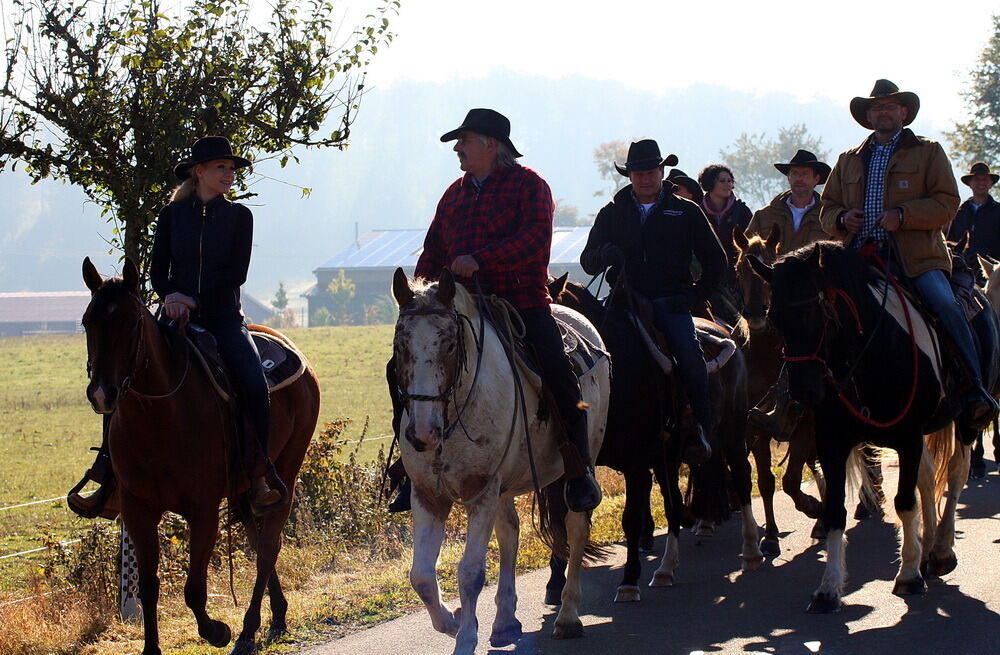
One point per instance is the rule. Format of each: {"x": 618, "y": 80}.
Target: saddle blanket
{"x": 582, "y": 354}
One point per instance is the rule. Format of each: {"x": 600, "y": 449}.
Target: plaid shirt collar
{"x": 644, "y": 211}
{"x": 875, "y": 188}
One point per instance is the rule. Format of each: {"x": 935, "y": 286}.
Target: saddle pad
{"x": 926, "y": 338}
{"x": 283, "y": 364}
{"x": 582, "y": 354}
{"x": 715, "y": 346}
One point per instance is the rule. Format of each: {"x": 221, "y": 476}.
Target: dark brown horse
{"x": 170, "y": 439}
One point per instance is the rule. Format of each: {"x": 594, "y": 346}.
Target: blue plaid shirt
{"x": 875, "y": 190}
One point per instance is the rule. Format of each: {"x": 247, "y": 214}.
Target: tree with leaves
{"x": 978, "y": 139}
{"x": 280, "y": 300}
{"x": 752, "y": 158}
{"x": 340, "y": 292}
{"x": 605, "y": 156}
{"x": 567, "y": 215}
{"x": 107, "y": 95}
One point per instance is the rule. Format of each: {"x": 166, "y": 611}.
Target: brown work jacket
{"x": 778, "y": 213}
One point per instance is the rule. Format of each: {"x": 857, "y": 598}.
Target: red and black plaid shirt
{"x": 505, "y": 224}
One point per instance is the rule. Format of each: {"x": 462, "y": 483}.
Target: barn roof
{"x": 43, "y": 306}
{"x": 391, "y": 248}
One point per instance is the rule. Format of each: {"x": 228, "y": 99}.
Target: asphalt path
{"x": 714, "y": 608}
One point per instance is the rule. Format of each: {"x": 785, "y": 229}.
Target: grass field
{"x": 47, "y": 426}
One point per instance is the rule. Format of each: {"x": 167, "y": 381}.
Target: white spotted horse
{"x": 864, "y": 359}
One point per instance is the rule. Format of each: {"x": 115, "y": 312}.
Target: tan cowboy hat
{"x": 980, "y": 168}
{"x": 885, "y": 89}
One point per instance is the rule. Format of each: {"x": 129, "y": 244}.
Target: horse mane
{"x": 756, "y": 245}
{"x": 842, "y": 268}
{"x": 425, "y": 294}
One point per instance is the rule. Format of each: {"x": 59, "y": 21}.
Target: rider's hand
{"x": 610, "y": 255}
{"x": 891, "y": 220}
{"x": 464, "y": 266}
{"x": 177, "y": 311}
{"x": 178, "y": 297}
{"x": 853, "y": 220}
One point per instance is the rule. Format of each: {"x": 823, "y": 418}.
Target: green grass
{"x": 47, "y": 425}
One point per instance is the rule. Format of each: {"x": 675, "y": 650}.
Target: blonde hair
{"x": 185, "y": 189}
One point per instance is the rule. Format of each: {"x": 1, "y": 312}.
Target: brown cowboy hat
{"x": 680, "y": 178}
{"x": 885, "y": 89}
{"x": 206, "y": 149}
{"x": 806, "y": 158}
{"x": 980, "y": 168}
{"x": 488, "y": 123}
{"x": 644, "y": 155}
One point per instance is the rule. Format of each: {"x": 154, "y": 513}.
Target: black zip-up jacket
{"x": 203, "y": 251}
{"x": 984, "y": 224}
{"x": 657, "y": 253}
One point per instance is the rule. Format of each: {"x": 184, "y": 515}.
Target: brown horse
{"x": 170, "y": 440}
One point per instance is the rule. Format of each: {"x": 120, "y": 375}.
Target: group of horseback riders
{"x": 664, "y": 239}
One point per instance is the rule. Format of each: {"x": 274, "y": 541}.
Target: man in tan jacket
{"x": 900, "y": 186}
{"x": 794, "y": 211}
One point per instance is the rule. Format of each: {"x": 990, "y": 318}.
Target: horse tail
{"x": 859, "y": 474}
{"x": 708, "y": 490}
{"x": 549, "y": 520}
{"x": 941, "y": 446}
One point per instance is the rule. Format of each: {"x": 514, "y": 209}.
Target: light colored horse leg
{"x": 751, "y": 555}
{"x": 472, "y": 568}
{"x": 942, "y": 559}
{"x": 665, "y": 574}
{"x": 506, "y": 627}
{"x": 827, "y": 596}
{"x": 928, "y": 507}
{"x": 428, "y": 533}
{"x": 909, "y": 580}
{"x": 568, "y": 622}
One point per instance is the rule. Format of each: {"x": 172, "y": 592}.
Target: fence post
{"x": 128, "y": 588}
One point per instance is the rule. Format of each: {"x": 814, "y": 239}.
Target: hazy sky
{"x": 809, "y": 49}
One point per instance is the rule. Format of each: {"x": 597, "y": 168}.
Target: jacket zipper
{"x": 201, "y": 239}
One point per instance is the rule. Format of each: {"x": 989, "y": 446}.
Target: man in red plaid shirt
{"x": 495, "y": 222}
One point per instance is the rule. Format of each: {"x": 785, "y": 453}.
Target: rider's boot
{"x": 583, "y": 494}
{"x": 695, "y": 449}
{"x": 396, "y": 473}
{"x": 777, "y": 414}
{"x": 104, "y": 501}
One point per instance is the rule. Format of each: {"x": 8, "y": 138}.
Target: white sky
{"x": 809, "y": 49}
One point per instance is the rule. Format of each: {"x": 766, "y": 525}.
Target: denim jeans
{"x": 935, "y": 291}
{"x": 678, "y": 328}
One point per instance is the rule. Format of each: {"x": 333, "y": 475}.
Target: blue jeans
{"x": 935, "y": 290}
{"x": 678, "y": 329}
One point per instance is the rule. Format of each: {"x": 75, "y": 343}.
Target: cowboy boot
{"x": 582, "y": 492}
{"x": 400, "y": 482}
{"x": 695, "y": 449}
{"x": 784, "y": 414}
{"x": 978, "y": 407}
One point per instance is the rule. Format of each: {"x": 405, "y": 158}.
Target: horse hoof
{"x": 818, "y": 532}
{"x": 977, "y": 470}
{"x": 769, "y": 547}
{"x": 277, "y": 631}
{"x": 705, "y": 530}
{"x": 753, "y": 562}
{"x": 938, "y": 566}
{"x": 646, "y": 545}
{"x": 553, "y": 597}
{"x": 244, "y": 647}
{"x": 627, "y": 594}
{"x": 218, "y": 634}
{"x": 909, "y": 587}
{"x": 823, "y": 603}
{"x": 506, "y": 636}
{"x": 568, "y": 631}
{"x": 662, "y": 579}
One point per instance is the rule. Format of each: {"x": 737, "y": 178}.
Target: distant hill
{"x": 395, "y": 169}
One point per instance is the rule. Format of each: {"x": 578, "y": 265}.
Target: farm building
{"x": 371, "y": 260}
{"x": 57, "y": 312}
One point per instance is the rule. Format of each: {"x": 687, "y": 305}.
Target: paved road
{"x": 716, "y": 609}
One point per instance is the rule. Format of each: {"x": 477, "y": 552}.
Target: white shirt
{"x": 798, "y": 213}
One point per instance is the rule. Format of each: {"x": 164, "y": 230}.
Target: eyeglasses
{"x": 886, "y": 106}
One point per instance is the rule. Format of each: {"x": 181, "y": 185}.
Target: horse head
{"x": 756, "y": 293}
{"x": 113, "y": 322}
{"x": 429, "y": 349}
{"x": 801, "y": 311}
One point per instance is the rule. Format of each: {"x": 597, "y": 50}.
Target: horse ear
{"x": 91, "y": 277}
{"x": 773, "y": 238}
{"x": 446, "y": 288}
{"x": 740, "y": 240}
{"x": 401, "y": 289}
{"x": 962, "y": 244}
{"x": 558, "y": 285}
{"x": 987, "y": 265}
{"x": 760, "y": 268}
{"x": 815, "y": 258}
{"x": 130, "y": 276}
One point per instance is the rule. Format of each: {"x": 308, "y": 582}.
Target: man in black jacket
{"x": 649, "y": 235}
{"x": 980, "y": 214}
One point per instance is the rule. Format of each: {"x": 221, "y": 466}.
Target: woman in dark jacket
{"x": 726, "y": 213}
{"x": 201, "y": 253}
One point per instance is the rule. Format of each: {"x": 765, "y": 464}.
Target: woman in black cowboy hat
{"x": 201, "y": 254}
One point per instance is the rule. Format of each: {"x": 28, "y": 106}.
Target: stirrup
{"x": 96, "y": 504}
{"x": 279, "y": 487}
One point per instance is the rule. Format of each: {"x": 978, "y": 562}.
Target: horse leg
{"x": 637, "y": 487}
{"x": 833, "y": 459}
{"x": 142, "y": 524}
{"x": 268, "y": 546}
{"x": 568, "y": 623}
{"x": 428, "y": 534}
{"x": 673, "y": 506}
{"x": 769, "y": 544}
{"x": 942, "y": 559}
{"x": 557, "y": 580}
{"x": 977, "y": 466}
{"x": 734, "y": 438}
{"x": 506, "y": 627}
{"x": 277, "y": 600}
{"x": 472, "y": 568}
{"x": 648, "y": 526}
{"x": 204, "y": 532}
{"x": 928, "y": 506}
{"x": 908, "y": 580}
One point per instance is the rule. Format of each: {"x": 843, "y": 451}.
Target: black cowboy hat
{"x": 885, "y": 89}
{"x": 806, "y": 158}
{"x": 980, "y": 168}
{"x": 206, "y": 149}
{"x": 644, "y": 155}
{"x": 488, "y": 123}
{"x": 680, "y": 178}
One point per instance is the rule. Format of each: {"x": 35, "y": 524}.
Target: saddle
{"x": 582, "y": 355}
{"x": 281, "y": 362}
